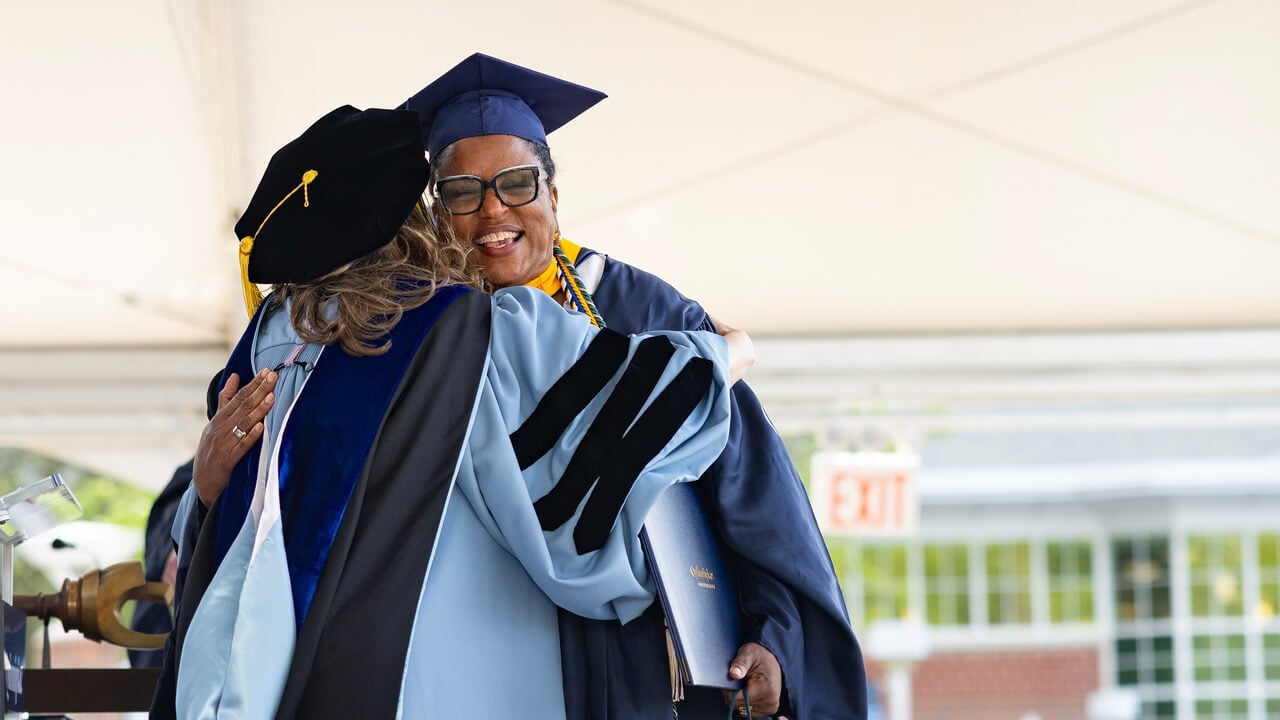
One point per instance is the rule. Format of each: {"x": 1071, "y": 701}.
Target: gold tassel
{"x": 252, "y": 295}
{"x": 673, "y": 662}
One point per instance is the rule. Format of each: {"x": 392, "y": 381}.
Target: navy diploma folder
{"x": 696, "y": 588}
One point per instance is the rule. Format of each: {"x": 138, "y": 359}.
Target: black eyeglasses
{"x": 464, "y": 194}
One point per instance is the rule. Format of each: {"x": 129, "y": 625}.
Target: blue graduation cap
{"x": 483, "y": 95}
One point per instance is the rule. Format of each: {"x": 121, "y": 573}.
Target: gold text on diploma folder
{"x": 704, "y": 577}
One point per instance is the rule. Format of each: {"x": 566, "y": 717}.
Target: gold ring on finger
{"x": 240, "y": 434}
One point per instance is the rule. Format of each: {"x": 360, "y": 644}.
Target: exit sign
{"x": 865, "y": 493}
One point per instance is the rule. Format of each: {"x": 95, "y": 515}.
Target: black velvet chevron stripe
{"x": 646, "y": 438}
{"x": 569, "y": 396}
{"x": 598, "y": 443}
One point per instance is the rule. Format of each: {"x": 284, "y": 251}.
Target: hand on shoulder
{"x": 742, "y": 353}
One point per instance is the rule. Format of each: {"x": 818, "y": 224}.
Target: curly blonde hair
{"x": 371, "y": 294}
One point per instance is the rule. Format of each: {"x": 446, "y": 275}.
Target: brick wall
{"x": 1000, "y": 685}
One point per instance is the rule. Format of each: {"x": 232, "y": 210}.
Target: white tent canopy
{"x": 802, "y": 167}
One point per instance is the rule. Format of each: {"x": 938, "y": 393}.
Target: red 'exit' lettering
{"x": 867, "y": 500}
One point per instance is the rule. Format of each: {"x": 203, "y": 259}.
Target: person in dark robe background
{"x": 160, "y": 555}
{"x": 160, "y": 563}
{"x": 484, "y": 123}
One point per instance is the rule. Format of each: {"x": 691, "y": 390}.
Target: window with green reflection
{"x": 1008, "y": 583}
{"x": 1159, "y": 710}
{"x": 1268, "y": 575}
{"x": 1218, "y": 658}
{"x": 946, "y": 584}
{"x": 1226, "y": 709}
{"x": 1141, "y": 567}
{"x": 1144, "y": 660}
{"x": 884, "y": 582}
{"x": 1216, "y": 575}
{"x": 1271, "y": 657}
{"x": 843, "y": 553}
{"x": 1070, "y": 582}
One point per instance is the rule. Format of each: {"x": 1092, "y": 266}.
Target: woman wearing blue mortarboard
{"x": 360, "y": 540}
{"x": 485, "y": 124}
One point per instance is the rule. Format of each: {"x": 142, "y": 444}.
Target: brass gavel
{"x": 92, "y": 604}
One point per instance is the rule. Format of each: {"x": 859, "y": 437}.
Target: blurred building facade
{"x": 1097, "y": 510}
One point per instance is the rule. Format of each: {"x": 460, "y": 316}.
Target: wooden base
{"x": 57, "y": 692}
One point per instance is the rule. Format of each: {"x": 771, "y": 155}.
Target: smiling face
{"x": 514, "y": 244}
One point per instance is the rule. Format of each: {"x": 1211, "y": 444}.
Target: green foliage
{"x": 801, "y": 449}
{"x": 104, "y": 499}
{"x": 111, "y": 501}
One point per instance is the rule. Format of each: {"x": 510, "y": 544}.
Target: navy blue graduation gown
{"x": 789, "y": 593}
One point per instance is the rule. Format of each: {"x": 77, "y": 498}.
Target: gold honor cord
{"x": 252, "y": 295}
{"x": 561, "y": 275}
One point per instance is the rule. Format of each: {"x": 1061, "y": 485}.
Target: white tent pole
{"x": 220, "y": 43}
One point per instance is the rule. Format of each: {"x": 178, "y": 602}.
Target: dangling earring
{"x": 556, "y": 237}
